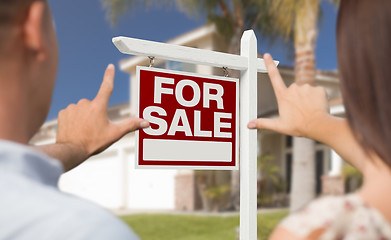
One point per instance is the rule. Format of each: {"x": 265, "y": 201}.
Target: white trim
{"x": 336, "y": 163}
{"x": 338, "y": 109}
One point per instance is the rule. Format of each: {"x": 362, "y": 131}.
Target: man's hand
{"x": 84, "y": 129}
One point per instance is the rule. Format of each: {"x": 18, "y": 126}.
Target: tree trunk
{"x": 303, "y": 170}
{"x": 235, "y": 189}
{"x": 202, "y": 181}
{"x": 303, "y": 173}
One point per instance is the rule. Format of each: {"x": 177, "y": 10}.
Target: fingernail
{"x": 266, "y": 55}
{"x": 144, "y": 124}
{"x": 110, "y": 66}
{"x": 251, "y": 125}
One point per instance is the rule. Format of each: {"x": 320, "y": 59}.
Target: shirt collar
{"x": 25, "y": 161}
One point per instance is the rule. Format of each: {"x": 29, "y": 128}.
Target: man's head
{"x": 28, "y": 64}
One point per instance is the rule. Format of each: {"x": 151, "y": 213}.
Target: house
{"x": 111, "y": 180}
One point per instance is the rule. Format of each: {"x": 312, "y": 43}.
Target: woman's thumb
{"x": 263, "y": 123}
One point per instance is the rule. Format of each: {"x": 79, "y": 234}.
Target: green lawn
{"x": 185, "y": 227}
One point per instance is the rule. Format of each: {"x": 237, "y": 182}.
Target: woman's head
{"x": 364, "y": 60}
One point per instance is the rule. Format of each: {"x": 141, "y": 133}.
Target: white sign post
{"x": 248, "y": 139}
{"x": 248, "y": 63}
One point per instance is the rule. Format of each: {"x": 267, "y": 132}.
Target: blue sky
{"x": 85, "y": 35}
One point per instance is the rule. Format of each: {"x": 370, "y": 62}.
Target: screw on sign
{"x": 193, "y": 118}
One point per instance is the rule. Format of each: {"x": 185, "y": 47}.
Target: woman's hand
{"x": 303, "y": 112}
{"x": 299, "y": 107}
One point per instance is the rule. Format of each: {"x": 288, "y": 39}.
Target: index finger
{"x": 106, "y": 88}
{"x": 275, "y": 77}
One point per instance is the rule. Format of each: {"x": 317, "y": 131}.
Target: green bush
{"x": 352, "y": 177}
{"x": 271, "y": 186}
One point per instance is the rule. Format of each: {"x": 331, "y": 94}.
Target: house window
{"x": 288, "y": 171}
{"x": 319, "y": 170}
{"x": 288, "y": 162}
{"x": 289, "y": 142}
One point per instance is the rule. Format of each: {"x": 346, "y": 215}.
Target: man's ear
{"x": 33, "y": 29}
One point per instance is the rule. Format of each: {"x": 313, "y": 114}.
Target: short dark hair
{"x": 364, "y": 52}
{"x": 12, "y": 12}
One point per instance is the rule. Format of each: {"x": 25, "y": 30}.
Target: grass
{"x": 189, "y": 227}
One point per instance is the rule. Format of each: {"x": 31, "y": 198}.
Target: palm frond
{"x": 223, "y": 24}
{"x": 335, "y": 2}
{"x": 198, "y": 7}
{"x": 284, "y": 14}
{"x": 116, "y": 8}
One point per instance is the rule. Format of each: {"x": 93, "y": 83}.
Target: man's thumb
{"x": 132, "y": 124}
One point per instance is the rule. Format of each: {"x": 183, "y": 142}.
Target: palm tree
{"x": 294, "y": 20}
{"x": 231, "y": 17}
{"x": 299, "y": 18}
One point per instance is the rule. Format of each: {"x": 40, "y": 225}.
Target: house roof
{"x": 320, "y": 75}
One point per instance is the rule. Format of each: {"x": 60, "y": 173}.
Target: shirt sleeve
{"x": 85, "y": 221}
{"x": 105, "y": 229}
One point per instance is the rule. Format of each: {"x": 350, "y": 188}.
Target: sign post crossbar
{"x": 249, "y": 64}
{"x": 178, "y": 53}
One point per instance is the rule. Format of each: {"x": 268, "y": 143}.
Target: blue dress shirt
{"x": 32, "y": 206}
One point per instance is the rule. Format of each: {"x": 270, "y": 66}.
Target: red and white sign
{"x": 193, "y": 118}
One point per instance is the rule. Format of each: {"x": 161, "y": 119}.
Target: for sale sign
{"x": 193, "y": 120}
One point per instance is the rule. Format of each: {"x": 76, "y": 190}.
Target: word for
{"x": 211, "y": 92}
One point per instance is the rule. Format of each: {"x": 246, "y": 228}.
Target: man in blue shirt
{"x": 31, "y": 205}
